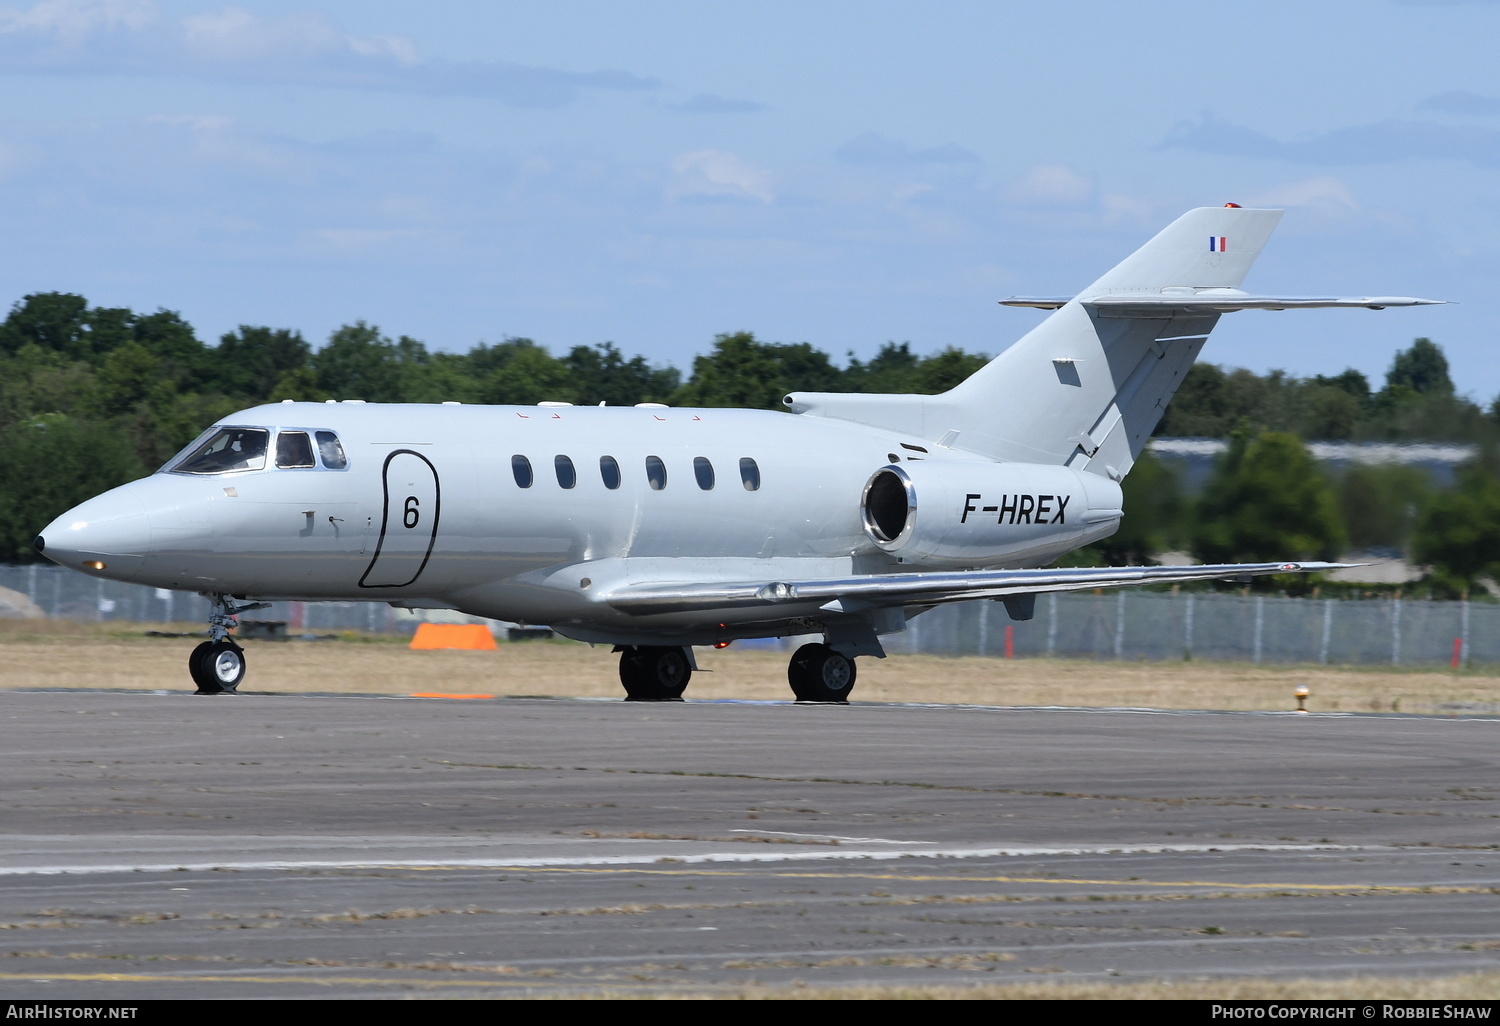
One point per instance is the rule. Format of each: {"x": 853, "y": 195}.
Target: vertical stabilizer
{"x": 1088, "y": 385}
{"x": 1206, "y": 248}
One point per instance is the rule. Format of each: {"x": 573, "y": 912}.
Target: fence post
{"x": 1052, "y": 623}
{"x": 1395, "y": 631}
{"x": 1187, "y": 645}
{"x": 1327, "y": 631}
{"x": 31, "y": 583}
{"x": 1120, "y": 623}
{"x": 1463, "y": 632}
{"x": 1260, "y": 623}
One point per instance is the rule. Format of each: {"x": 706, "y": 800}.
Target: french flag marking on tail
{"x": 1216, "y": 243}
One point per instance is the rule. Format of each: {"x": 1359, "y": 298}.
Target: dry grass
{"x": 62, "y": 654}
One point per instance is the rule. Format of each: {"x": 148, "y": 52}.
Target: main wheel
{"x": 819, "y": 674}
{"x": 653, "y": 673}
{"x": 217, "y": 667}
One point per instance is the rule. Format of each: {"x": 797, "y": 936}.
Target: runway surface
{"x": 169, "y": 845}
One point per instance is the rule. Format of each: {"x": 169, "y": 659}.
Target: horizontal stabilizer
{"x": 872, "y": 591}
{"x": 1166, "y": 303}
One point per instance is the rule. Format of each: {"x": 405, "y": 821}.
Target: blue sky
{"x": 840, "y": 173}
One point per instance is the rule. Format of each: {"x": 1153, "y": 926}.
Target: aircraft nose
{"x": 107, "y": 536}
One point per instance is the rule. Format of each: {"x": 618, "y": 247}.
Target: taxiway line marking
{"x": 1080, "y": 881}
{"x": 659, "y": 855}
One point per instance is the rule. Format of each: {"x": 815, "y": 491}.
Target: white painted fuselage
{"x": 429, "y": 511}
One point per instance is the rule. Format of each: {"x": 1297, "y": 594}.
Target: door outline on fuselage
{"x": 385, "y": 518}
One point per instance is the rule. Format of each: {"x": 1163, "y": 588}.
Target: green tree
{"x": 524, "y": 373}
{"x": 1267, "y": 500}
{"x": 360, "y": 363}
{"x": 1380, "y": 504}
{"x": 602, "y": 374}
{"x": 49, "y": 464}
{"x": 1458, "y": 534}
{"x": 250, "y": 362}
{"x": 57, "y": 321}
{"x": 744, "y": 372}
{"x": 1423, "y": 368}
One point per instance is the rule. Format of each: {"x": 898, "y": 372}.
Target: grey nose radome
{"x": 107, "y": 536}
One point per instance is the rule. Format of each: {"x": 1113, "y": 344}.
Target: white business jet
{"x": 654, "y": 529}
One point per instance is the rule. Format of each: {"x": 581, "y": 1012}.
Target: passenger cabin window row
{"x": 609, "y": 472}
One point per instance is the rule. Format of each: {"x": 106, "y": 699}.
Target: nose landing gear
{"x": 218, "y": 665}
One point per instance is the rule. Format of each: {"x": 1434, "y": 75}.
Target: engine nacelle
{"x": 961, "y": 515}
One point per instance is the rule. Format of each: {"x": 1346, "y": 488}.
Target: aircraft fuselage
{"x": 429, "y": 509}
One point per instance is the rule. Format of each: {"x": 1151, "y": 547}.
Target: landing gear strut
{"x": 218, "y": 665}
{"x": 654, "y": 673}
{"x": 817, "y": 673}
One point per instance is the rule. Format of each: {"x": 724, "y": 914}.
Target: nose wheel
{"x": 819, "y": 674}
{"x": 218, "y": 665}
{"x": 653, "y": 673}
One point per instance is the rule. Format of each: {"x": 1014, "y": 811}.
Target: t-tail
{"x": 1088, "y": 385}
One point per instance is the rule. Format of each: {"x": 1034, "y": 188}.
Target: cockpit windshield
{"x": 229, "y": 449}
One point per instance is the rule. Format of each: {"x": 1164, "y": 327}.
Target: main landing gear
{"x": 654, "y": 673}
{"x": 659, "y": 673}
{"x": 817, "y": 673}
{"x": 218, "y": 665}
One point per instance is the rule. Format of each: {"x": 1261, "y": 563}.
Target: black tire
{"x": 218, "y": 667}
{"x": 654, "y": 673}
{"x": 819, "y": 674}
{"x": 198, "y": 670}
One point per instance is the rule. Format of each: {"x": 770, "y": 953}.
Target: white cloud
{"x": 717, "y": 173}
{"x": 197, "y": 122}
{"x": 1053, "y": 185}
{"x": 1325, "y": 192}
{"x": 114, "y": 37}
{"x": 71, "y": 20}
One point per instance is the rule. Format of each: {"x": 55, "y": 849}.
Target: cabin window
{"x": 609, "y": 470}
{"x": 704, "y": 472}
{"x": 656, "y": 473}
{"x": 567, "y": 477}
{"x": 294, "y": 450}
{"x": 749, "y": 474}
{"x": 520, "y": 466}
{"x": 228, "y": 450}
{"x": 332, "y": 451}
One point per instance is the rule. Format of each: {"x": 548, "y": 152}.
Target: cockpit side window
{"x": 229, "y": 449}
{"x": 332, "y": 451}
{"x": 294, "y": 450}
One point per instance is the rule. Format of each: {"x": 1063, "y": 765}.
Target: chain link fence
{"x": 1123, "y": 624}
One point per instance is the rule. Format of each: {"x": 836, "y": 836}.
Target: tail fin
{"x": 1087, "y": 386}
{"x": 1206, "y": 248}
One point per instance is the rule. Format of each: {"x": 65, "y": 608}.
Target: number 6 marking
{"x": 411, "y": 517}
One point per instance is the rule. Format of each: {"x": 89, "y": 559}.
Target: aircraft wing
{"x": 1213, "y": 301}
{"x": 870, "y": 591}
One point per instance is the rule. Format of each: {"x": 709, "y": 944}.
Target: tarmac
{"x": 163, "y": 845}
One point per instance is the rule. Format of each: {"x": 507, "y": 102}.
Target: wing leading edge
{"x": 871, "y": 591}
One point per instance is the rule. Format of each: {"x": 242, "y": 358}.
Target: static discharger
{"x": 472, "y": 636}
{"x": 1302, "y": 695}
